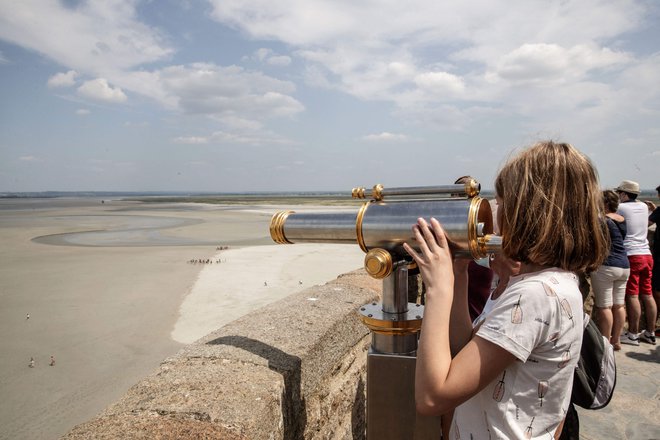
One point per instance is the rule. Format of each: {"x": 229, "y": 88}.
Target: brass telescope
{"x": 381, "y": 225}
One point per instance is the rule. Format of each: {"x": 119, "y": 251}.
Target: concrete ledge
{"x": 291, "y": 370}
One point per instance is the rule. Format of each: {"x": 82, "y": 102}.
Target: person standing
{"x": 641, "y": 265}
{"x": 609, "y": 280}
{"x": 509, "y": 374}
{"x": 654, "y": 217}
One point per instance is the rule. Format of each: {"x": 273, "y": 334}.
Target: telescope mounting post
{"x": 395, "y": 324}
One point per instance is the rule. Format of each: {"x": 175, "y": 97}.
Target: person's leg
{"x": 618, "y": 308}
{"x": 651, "y": 311}
{"x": 618, "y": 320}
{"x": 632, "y": 291}
{"x": 646, "y": 294}
{"x": 604, "y": 321}
{"x": 655, "y": 280}
{"x": 656, "y": 297}
{"x": 634, "y": 313}
{"x": 602, "y": 282}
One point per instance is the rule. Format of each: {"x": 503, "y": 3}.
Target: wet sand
{"x": 111, "y": 292}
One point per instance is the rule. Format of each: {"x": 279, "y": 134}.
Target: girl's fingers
{"x": 411, "y": 252}
{"x": 423, "y": 245}
{"x": 429, "y": 237}
{"x": 440, "y": 237}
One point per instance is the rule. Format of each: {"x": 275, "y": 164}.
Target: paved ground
{"x": 634, "y": 411}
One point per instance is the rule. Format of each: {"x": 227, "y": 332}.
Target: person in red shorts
{"x": 641, "y": 265}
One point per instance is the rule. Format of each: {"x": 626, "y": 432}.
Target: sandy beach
{"x": 111, "y": 290}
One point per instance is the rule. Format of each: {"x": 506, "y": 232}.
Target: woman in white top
{"x": 512, "y": 374}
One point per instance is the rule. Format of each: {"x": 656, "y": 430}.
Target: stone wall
{"x": 295, "y": 369}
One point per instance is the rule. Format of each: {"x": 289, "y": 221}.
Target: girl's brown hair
{"x": 550, "y": 208}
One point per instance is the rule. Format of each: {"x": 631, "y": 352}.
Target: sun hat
{"x": 628, "y": 186}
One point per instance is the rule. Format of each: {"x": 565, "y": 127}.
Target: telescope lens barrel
{"x": 314, "y": 227}
{"x": 388, "y": 224}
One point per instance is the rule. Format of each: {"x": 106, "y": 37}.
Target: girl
{"x": 512, "y": 373}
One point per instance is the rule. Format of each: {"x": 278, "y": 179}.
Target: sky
{"x": 320, "y": 95}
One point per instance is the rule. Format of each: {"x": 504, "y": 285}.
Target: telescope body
{"x": 386, "y": 225}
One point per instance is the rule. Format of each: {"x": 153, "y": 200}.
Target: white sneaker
{"x": 630, "y": 338}
{"x": 648, "y": 337}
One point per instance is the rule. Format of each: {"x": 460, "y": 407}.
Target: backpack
{"x": 595, "y": 374}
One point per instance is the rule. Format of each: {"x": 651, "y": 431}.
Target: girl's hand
{"x": 434, "y": 258}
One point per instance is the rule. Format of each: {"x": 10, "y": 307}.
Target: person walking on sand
{"x": 52, "y": 361}
{"x": 636, "y": 243}
{"x": 31, "y": 363}
{"x": 27, "y": 316}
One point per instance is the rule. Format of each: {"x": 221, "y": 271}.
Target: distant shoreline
{"x": 248, "y": 198}
{"x": 257, "y": 199}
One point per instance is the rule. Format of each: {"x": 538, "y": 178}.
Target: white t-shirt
{"x": 539, "y": 319}
{"x": 636, "y": 214}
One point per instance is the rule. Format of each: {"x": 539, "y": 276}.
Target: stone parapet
{"x": 295, "y": 369}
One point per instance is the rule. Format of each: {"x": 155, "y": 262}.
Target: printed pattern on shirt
{"x": 535, "y": 319}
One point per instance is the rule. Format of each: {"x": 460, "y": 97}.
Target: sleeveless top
{"x": 617, "y": 256}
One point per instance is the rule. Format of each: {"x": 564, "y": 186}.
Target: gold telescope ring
{"x": 358, "y": 226}
{"x": 277, "y": 227}
{"x": 473, "y": 222}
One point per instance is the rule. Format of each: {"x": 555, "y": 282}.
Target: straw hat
{"x": 628, "y": 186}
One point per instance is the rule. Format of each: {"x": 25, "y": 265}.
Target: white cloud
{"x": 440, "y": 82}
{"x": 262, "y": 53}
{"x": 63, "y": 79}
{"x": 265, "y": 55}
{"x": 386, "y": 137}
{"x": 99, "y": 89}
{"x": 236, "y": 137}
{"x": 94, "y": 37}
{"x": 262, "y": 137}
{"x": 29, "y": 159}
{"x": 142, "y": 124}
{"x": 82, "y": 112}
{"x": 550, "y": 62}
{"x": 190, "y": 140}
{"x": 204, "y": 88}
{"x": 279, "y": 60}
{"x": 486, "y": 48}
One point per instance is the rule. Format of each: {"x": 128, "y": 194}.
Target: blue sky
{"x": 262, "y": 95}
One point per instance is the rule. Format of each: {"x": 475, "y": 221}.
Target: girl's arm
{"x": 460, "y": 322}
{"x": 443, "y": 383}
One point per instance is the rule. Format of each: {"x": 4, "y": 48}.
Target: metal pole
{"x": 394, "y": 325}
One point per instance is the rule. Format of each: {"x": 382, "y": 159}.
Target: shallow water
{"x": 124, "y": 230}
